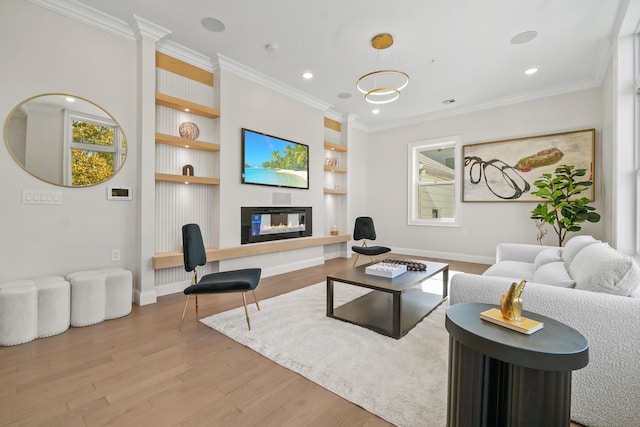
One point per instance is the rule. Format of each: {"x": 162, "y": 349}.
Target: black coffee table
{"x": 394, "y": 306}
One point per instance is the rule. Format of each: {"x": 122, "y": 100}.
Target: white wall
{"x": 44, "y": 52}
{"x": 244, "y": 103}
{"x": 483, "y": 225}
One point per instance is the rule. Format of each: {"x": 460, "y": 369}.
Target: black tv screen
{"x": 269, "y": 160}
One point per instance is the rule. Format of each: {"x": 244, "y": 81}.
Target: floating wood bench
{"x": 175, "y": 259}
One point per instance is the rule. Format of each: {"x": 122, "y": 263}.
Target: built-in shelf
{"x": 183, "y": 179}
{"x": 334, "y": 191}
{"x": 182, "y": 104}
{"x": 193, "y": 144}
{"x": 335, "y": 147}
{"x": 176, "y": 259}
{"x": 334, "y": 169}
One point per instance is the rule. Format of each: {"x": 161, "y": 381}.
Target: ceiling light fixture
{"x": 375, "y": 111}
{"x": 382, "y": 86}
{"x": 307, "y": 75}
{"x": 531, "y": 71}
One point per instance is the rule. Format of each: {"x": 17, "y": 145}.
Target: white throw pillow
{"x": 574, "y": 245}
{"x": 555, "y": 274}
{"x": 512, "y": 269}
{"x": 600, "y": 268}
{"x": 546, "y": 256}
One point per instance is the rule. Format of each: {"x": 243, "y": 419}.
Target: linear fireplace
{"x": 263, "y": 224}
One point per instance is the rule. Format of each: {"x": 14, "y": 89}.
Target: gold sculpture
{"x": 511, "y": 304}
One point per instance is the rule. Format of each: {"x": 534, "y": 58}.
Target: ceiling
{"x": 452, "y": 49}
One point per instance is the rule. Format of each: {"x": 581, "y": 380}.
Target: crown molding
{"x": 146, "y": 29}
{"x": 227, "y": 64}
{"x": 185, "y": 54}
{"x": 496, "y": 103}
{"x": 89, "y": 16}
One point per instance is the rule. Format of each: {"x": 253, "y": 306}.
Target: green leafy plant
{"x": 561, "y": 208}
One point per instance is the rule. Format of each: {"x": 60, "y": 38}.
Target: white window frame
{"x": 117, "y": 149}
{"x": 414, "y": 149}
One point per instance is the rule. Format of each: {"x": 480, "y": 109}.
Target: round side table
{"x": 499, "y": 377}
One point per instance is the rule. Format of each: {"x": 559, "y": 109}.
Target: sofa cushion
{"x": 600, "y": 268}
{"x": 555, "y": 274}
{"x": 574, "y": 245}
{"x": 514, "y": 269}
{"x": 546, "y": 256}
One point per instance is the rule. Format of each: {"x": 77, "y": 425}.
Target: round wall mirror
{"x": 65, "y": 140}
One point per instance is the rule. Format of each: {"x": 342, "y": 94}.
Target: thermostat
{"x": 119, "y": 193}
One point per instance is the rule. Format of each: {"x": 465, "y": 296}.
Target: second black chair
{"x": 364, "y": 230}
{"x": 226, "y": 281}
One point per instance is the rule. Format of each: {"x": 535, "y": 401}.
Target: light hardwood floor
{"x": 140, "y": 370}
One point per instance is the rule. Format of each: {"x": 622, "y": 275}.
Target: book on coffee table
{"x": 524, "y": 326}
{"x": 386, "y": 269}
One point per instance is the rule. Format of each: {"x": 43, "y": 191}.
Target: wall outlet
{"x": 115, "y": 255}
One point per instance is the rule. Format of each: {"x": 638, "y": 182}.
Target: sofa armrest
{"x": 518, "y": 251}
{"x": 604, "y": 392}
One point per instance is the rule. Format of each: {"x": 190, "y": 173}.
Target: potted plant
{"x": 560, "y": 206}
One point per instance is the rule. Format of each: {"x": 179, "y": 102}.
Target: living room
{"x": 45, "y": 51}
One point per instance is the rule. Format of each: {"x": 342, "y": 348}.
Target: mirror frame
{"x": 125, "y": 151}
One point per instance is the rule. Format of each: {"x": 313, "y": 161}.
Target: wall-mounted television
{"x": 269, "y": 160}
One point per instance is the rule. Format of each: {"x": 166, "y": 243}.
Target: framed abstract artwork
{"x": 504, "y": 171}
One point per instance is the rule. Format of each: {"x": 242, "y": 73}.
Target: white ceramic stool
{"x": 111, "y": 288}
{"x": 18, "y": 312}
{"x": 54, "y": 305}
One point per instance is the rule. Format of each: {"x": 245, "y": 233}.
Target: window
{"x": 434, "y": 187}
{"x": 94, "y": 147}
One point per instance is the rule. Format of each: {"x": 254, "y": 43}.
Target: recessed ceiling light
{"x": 213, "y": 24}
{"x": 307, "y": 75}
{"x": 70, "y": 99}
{"x": 344, "y": 95}
{"x": 531, "y": 71}
{"x": 375, "y": 111}
{"x": 524, "y": 37}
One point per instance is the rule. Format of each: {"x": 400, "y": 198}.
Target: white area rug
{"x": 402, "y": 381}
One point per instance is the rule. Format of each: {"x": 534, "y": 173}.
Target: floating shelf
{"x": 334, "y": 147}
{"x": 181, "y": 104}
{"x": 176, "y": 259}
{"x": 334, "y": 169}
{"x": 333, "y": 191}
{"x": 187, "y": 179}
{"x": 193, "y": 144}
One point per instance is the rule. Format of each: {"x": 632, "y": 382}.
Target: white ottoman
{"x": 119, "y": 292}
{"x": 54, "y": 305}
{"x": 98, "y": 295}
{"x": 18, "y": 312}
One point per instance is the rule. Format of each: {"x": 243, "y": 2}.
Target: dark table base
{"x": 375, "y": 311}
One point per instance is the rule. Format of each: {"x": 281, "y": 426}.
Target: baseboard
{"x": 145, "y": 298}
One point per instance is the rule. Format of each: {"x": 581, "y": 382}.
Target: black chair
{"x": 227, "y": 281}
{"x": 364, "y": 230}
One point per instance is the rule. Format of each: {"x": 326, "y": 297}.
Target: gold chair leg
{"x": 356, "y": 261}
{"x": 246, "y": 311}
{"x": 183, "y": 312}
{"x": 255, "y": 299}
{"x": 196, "y": 306}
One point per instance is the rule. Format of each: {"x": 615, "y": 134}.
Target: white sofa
{"x": 592, "y": 288}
